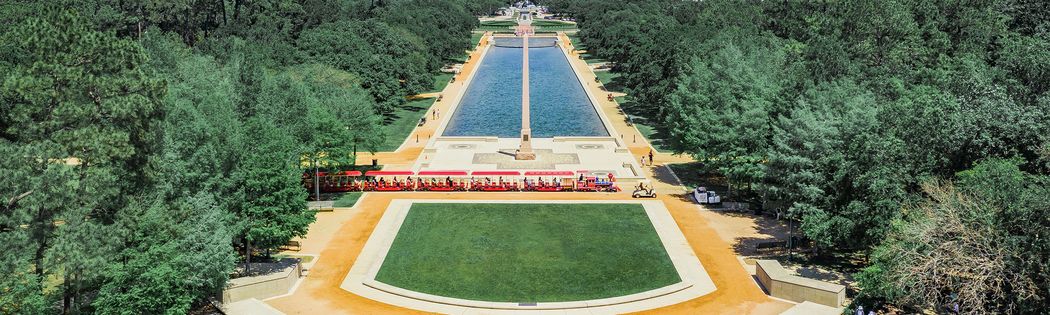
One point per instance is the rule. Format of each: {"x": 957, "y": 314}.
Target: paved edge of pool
{"x": 695, "y": 281}
{"x": 591, "y": 98}
{"x": 447, "y": 117}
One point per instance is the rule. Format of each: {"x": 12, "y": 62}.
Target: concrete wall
{"x": 262, "y": 287}
{"x": 781, "y": 284}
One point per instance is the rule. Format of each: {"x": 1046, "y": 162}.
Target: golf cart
{"x": 704, "y": 196}
{"x": 644, "y": 190}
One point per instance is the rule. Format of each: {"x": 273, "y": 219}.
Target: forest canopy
{"x": 152, "y": 146}
{"x": 872, "y": 123}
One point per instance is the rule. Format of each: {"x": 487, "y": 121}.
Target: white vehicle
{"x": 704, "y": 196}
{"x": 644, "y": 190}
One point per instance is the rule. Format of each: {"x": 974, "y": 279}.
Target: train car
{"x": 441, "y": 181}
{"x": 389, "y": 181}
{"x": 495, "y": 181}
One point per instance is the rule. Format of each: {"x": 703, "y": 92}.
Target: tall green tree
{"x": 274, "y": 210}
{"x": 82, "y": 108}
{"x": 831, "y": 164}
{"x": 176, "y": 254}
{"x": 720, "y": 111}
{"x": 389, "y": 60}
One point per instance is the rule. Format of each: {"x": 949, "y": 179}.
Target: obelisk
{"x": 525, "y": 150}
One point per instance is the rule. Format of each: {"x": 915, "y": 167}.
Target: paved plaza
{"x": 342, "y": 240}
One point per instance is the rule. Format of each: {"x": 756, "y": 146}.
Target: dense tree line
{"x": 856, "y": 117}
{"x": 150, "y": 146}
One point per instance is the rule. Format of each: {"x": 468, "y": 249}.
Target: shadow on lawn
{"x": 401, "y": 111}
{"x": 643, "y": 118}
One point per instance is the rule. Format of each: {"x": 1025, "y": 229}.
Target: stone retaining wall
{"x": 781, "y": 284}
{"x": 262, "y": 287}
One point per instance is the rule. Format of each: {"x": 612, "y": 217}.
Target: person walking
{"x": 650, "y": 157}
{"x": 643, "y": 161}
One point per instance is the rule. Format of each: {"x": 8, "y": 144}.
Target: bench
{"x": 292, "y": 244}
{"x": 770, "y": 245}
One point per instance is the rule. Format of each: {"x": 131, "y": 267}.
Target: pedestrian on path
{"x": 650, "y": 157}
{"x": 643, "y": 161}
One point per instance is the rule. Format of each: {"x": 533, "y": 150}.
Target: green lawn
{"x": 536, "y": 23}
{"x": 646, "y": 127}
{"x": 527, "y": 252}
{"x": 441, "y": 80}
{"x": 347, "y": 199}
{"x": 608, "y": 79}
{"x": 656, "y": 138}
{"x": 399, "y": 125}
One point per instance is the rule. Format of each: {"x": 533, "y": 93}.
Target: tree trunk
{"x": 729, "y": 194}
{"x": 247, "y": 256}
{"x": 317, "y": 185}
{"x": 222, "y": 6}
{"x": 41, "y": 235}
{"x": 237, "y": 9}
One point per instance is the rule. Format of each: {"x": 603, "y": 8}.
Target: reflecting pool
{"x": 491, "y": 105}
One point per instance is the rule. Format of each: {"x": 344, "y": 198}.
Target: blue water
{"x": 558, "y": 103}
{"x": 491, "y": 105}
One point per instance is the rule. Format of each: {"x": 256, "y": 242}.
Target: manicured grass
{"x": 527, "y": 252}
{"x": 305, "y": 259}
{"x": 347, "y": 199}
{"x": 399, "y": 125}
{"x": 536, "y": 23}
{"x": 494, "y": 29}
{"x": 441, "y": 80}
{"x": 656, "y": 138}
{"x": 646, "y": 127}
{"x": 475, "y": 38}
{"x": 608, "y": 79}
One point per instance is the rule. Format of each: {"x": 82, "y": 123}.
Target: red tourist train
{"x": 449, "y": 181}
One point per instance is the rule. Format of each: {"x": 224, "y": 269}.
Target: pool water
{"x": 491, "y": 105}
{"x": 558, "y": 103}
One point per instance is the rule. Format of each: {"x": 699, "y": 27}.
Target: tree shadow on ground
{"x": 264, "y": 266}
{"x": 614, "y": 84}
{"x": 401, "y": 111}
{"x": 769, "y": 230}
{"x": 834, "y": 267}
{"x": 646, "y": 119}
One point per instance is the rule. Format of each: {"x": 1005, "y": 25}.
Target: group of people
{"x": 427, "y": 183}
{"x": 647, "y": 162}
{"x": 540, "y": 182}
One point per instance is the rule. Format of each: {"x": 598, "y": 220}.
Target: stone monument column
{"x": 525, "y": 150}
